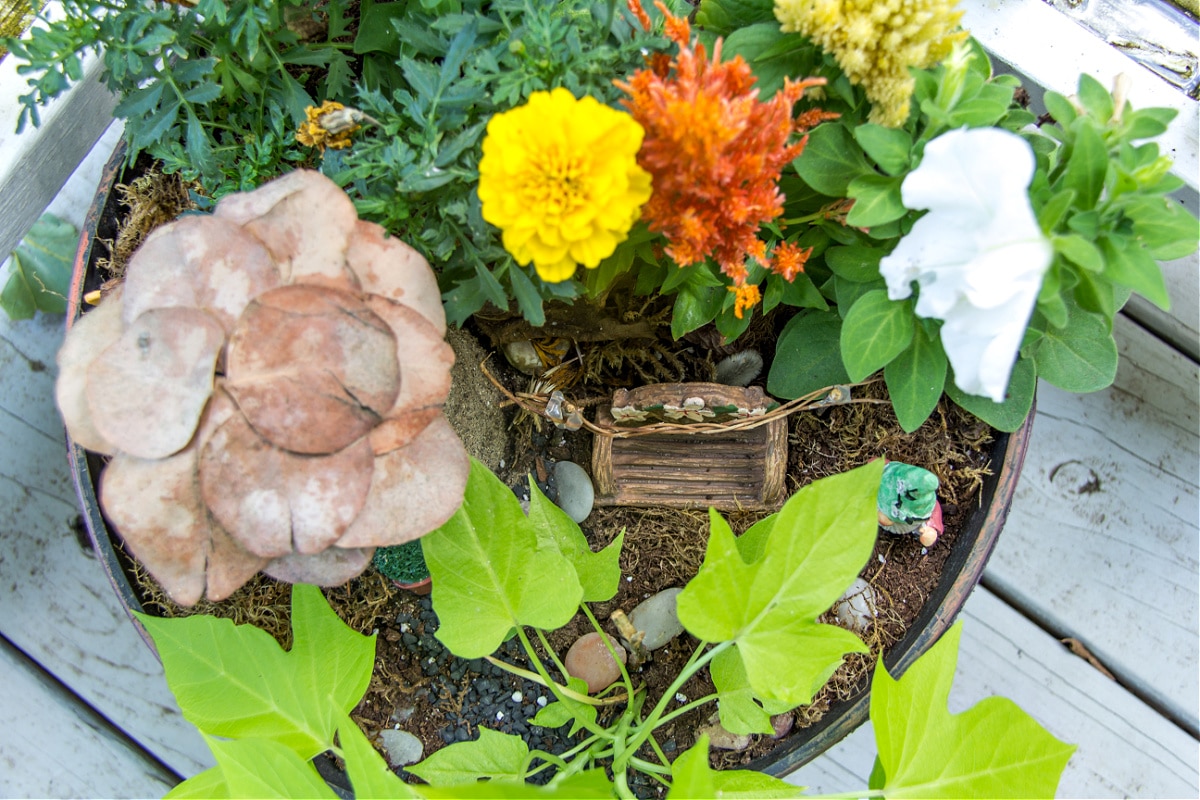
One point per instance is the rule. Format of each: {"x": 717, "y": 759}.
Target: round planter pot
{"x": 962, "y": 571}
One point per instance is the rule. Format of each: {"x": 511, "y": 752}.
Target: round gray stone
{"x": 657, "y": 618}
{"x": 402, "y": 747}
{"x": 575, "y": 492}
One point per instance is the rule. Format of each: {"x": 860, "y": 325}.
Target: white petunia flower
{"x": 978, "y": 255}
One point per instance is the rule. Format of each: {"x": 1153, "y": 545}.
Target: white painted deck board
{"x": 1101, "y": 543}
{"x": 1125, "y": 748}
{"x": 54, "y": 746}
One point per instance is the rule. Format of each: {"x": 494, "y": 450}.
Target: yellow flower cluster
{"x": 876, "y": 41}
{"x": 327, "y": 126}
{"x": 560, "y": 178}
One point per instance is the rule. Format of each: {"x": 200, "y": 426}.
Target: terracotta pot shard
{"x": 395, "y": 271}
{"x": 95, "y": 332}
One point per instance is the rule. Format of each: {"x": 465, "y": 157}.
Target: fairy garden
{"x": 673, "y": 348}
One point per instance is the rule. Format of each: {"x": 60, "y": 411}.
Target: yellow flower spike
{"x": 876, "y": 41}
{"x": 313, "y": 133}
{"x": 559, "y": 177}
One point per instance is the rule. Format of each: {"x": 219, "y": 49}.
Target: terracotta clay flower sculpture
{"x": 907, "y": 502}
{"x": 269, "y": 382}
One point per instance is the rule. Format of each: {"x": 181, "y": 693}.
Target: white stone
{"x": 856, "y": 609}
{"x": 402, "y": 747}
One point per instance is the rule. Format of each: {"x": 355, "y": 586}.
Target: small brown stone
{"x": 589, "y": 660}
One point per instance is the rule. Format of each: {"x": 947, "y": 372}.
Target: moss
{"x": 404, "y": 563}
{"x": 15, "y": 18}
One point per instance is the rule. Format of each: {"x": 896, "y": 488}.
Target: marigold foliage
{"x": 876, "y": 41}
{"x": 559, "y": 177}
{"x": 715, "y": 150}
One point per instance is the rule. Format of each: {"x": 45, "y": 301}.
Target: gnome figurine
{"x": 907, "y": 502}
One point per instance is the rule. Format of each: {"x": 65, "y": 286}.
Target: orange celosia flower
{"x": 789, "y": 259}
{"x": 714, "y": 149}
{"x": 747, "y": 297}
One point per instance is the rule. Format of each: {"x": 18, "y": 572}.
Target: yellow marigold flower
{"x": 560, "y": 178}
{"x": 313, "y": 133}
{"x": 876, "y": 41}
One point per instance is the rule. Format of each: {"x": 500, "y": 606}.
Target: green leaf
{"x": 1165, "y": 228}
{"x": 206, "y": 785}
{"x": 1126, "y": 262}
{"x": 492, "y": 756}
{"x": 528, "y": 299}
{"x": 993, "y": 749}
{"x": 1081, "y": 357}
{"x": 1054, "y": 209}
{"x": 369, "y": 774}
{"x": 1079, "y": 251}
{"x": 693, "y": 777}
{"x": 236, "y": 681}
{"x": 820, "y": 540}
{"x": 854, "y": 262}
{"x": 491, "y": 573}
{"x": 694, "y": 308}
{"x": 771, "y": 53}
{"x": 266, "y": 768}
{"x": 1060, "y": 108}
{"x": 375, "y": 31}
{"x": 740, "y": 713}
{"x": 807, "y": 357}
{"x": 1088, "y": 164}
{"x": 599, "y": 573}
{"x": 41, "y": 269}
{"x": 801, "y": 293}
{"x": 592, "y": 784}
{"x": 888, "y": 147}
{"x": 1006, "y": 416}
{"x": 875, "y": 331}
{"x": 876, "y": 200}
{"x": 1095, "y": 98}
{"x": 554, "y": 715}
{"x": 831, "y": 159}
{"x": 915, "y": 380}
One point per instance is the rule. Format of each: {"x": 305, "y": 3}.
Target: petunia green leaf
{"x": 819, "y": 541}
{"x": 492, "y": 573}
{"x": 991, "y": 750}
{"x": 1081, "y": 356}
{"x": 875, "y": 331}
{"x": 915, "y": 380}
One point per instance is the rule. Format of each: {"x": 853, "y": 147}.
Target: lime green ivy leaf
{"x": 40, "y": 269}
{"x": 819, "y": 541}
{"x": 331, "y": 662}
{"x": 1018, "y": 400}
{"x": 753, "y": 543}
{"x": 209, "y": 784}
{"x": 693, "y": 777}
{"x": 592, "y": 784}
{"x": 557, "y": 714}
{"x": 265, "y": 768}
{"x": 887, "y": 147}
{"x": 369, "y": 774}
{"x": 876, "y": 200}
{"x": 1080, "y": 357}
{"x": 492, "y": 756}
{"x": 599, "y": 573}
{"x": 741, "y": 712}
{"x": 236, "y": 681}
{"x": 915, "y": 380}
{"x": 992, "y": 750}
{"x": 876, "y": 330}
{"x": 807, "y": 356}
{"x": 491, "y": 573}
{"x": 831, "y": 159}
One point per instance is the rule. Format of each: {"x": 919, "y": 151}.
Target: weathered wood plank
{"x": 1101, "y": 541}
{"x": 1126, "y": 749}
{"x": 55, "y": 746}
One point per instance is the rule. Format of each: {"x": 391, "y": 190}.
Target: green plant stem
{"x": 550, "y": 651}
{"x": 648, "y": 767}
{"x": 686, "y": 708}
{"x": 559, "y": 691}
{"x": 611, "y": 647}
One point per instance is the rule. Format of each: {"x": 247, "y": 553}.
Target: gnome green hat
{"x": 907, "y": 493}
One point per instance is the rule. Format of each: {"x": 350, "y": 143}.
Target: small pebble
{"x": 680, "y": 697}
{"x": 516, "y": 697}
{"x": 576, "y": 495}
{"x": 782, "y": 723}
{"x": 401, "y": 746}
{"x": 657, "y": 618}
{"x": 589, "y": 660}
{"x": 523, "y": 356}
{"x": 855, "y": 610}
{"x": 541, "y": 701}
{"x": 721, "y": 739}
